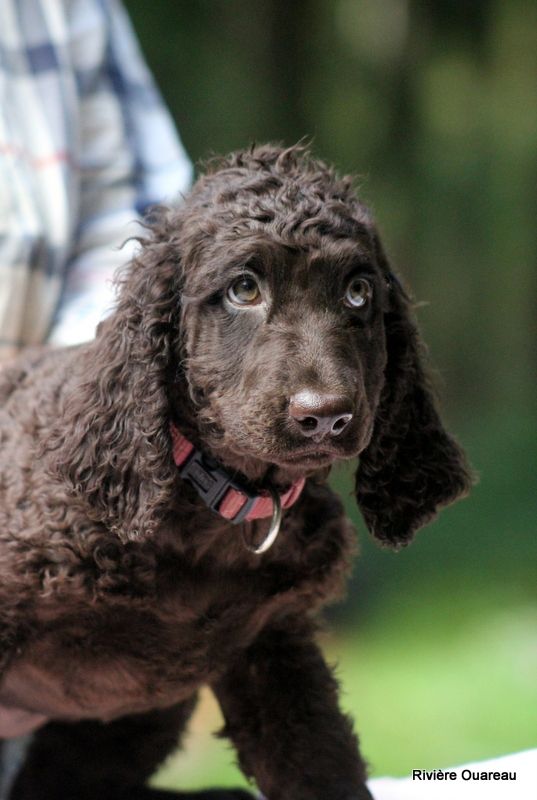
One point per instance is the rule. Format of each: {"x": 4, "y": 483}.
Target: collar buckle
{"x": 212, "y": 483}
{"x": 233, "y": 500}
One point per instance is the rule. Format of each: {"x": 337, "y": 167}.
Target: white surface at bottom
{"x": 523, "y": 787}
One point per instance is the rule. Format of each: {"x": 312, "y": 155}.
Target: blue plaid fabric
{"x": 85, "y": 146}
{"x": 12, "y": 755}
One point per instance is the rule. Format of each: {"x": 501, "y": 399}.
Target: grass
{"x": 429, "y": 692}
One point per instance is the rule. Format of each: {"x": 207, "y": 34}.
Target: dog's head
{"x": 268, "y": 298}
{"x": 283, "y": 312}
{"x": 299, "y": 348}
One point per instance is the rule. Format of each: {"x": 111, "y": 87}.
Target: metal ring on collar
{"x": 274, "y": 529}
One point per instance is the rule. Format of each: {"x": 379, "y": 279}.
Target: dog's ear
{"x": 412, "y": 466}
{"x": 111, "y": 445}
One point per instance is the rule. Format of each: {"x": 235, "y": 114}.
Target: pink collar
{"x": 233, "y": 500}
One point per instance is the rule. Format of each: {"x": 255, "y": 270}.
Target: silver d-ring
{"x": 274, "y": 529}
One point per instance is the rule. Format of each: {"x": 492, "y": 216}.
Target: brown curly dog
{"x": 259, "y": 336}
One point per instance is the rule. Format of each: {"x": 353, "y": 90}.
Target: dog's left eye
{"x": 244, "y": 291}
{"x": 359, "y": 293}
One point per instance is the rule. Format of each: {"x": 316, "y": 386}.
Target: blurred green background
{"x": 434, "y": 105}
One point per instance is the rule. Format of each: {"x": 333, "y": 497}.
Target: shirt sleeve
{"x": 130, "y": 157}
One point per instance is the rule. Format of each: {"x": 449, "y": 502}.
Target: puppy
{"x": 165, "y": 521}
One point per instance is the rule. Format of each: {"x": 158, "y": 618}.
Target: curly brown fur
{"x": 120, "y": 592}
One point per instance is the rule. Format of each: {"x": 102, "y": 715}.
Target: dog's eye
{"x": 359, "y": 293}
{"x": 244, "y": 291}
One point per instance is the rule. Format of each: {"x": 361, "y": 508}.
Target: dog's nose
{"x": 319, "y": 414}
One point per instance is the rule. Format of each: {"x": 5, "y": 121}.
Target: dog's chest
{"x": 120, "y": 656}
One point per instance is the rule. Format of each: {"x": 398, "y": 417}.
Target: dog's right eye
{"x": 244, "y": 291}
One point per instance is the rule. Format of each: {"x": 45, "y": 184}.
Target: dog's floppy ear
{"x": 111, "y": 444}
{"x": 412, "y": 466}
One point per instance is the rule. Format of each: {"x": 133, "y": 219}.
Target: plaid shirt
{"x": 85, "y": 146}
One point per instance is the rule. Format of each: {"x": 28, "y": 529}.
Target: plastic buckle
{"x": 211, "y": 482}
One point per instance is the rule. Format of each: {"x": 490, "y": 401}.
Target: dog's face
{"x": 285, "y": 342}
{"x": 283, "y": 314}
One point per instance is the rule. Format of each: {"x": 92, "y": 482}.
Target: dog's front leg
{"x": 280, "y": 704}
